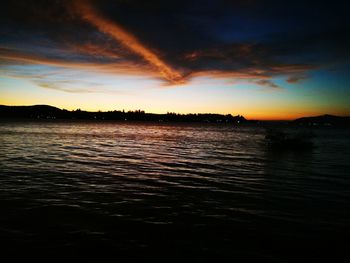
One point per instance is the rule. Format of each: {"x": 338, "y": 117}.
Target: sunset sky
{"x": 261, "y": 59}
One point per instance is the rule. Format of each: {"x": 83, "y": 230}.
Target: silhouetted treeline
{"x": 49, "y": 112}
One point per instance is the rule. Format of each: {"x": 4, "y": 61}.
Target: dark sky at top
{"x": 189, "y": 35}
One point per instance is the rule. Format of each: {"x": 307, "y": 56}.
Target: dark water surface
{"x": 109, "y": 190}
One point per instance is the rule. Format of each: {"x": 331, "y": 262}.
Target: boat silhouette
{"x": 291, "y": 140}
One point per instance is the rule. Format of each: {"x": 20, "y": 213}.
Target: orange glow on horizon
{"x": 249, "y": 114}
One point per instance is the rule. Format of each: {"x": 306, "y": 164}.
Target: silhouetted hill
{"x": 49, "y": 112}
{"x": 36, "y": 111}
{"x": 324, "y": 120}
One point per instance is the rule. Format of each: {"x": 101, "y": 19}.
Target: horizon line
{"x": 168, "y": 112}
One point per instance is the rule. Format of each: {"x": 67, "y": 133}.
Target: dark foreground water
{"x": 106, "y": 191}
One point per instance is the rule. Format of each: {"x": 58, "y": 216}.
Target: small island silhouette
{"x": 324, "y": 120}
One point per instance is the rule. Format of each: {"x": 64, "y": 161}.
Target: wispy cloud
{"x": 296, "y": 79}
{"x": 62, "y": 79}
{"x": 95, "y": 50}
{"x": 60, "y": 86}
{"x": 267, "y": 83}
{"x": 10, "y": 56}
{"x": 71, "y": 88}
{"x": 88, "y": 12}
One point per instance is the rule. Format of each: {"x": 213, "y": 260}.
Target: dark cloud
{"x": 177, "y": 40}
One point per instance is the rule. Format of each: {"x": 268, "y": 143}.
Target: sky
{"x": 264, "y": 60}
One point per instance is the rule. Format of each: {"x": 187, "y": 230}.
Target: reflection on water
{"x": 145, "y": 189}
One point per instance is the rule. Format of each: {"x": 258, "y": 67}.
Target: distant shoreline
{"x": 46, "y": 112}
{"x": 53, "y": 113}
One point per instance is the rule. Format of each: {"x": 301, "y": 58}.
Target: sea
{"x": 184, "y": 192}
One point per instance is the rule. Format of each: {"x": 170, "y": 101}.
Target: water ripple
{"x": 94, "y": 179}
